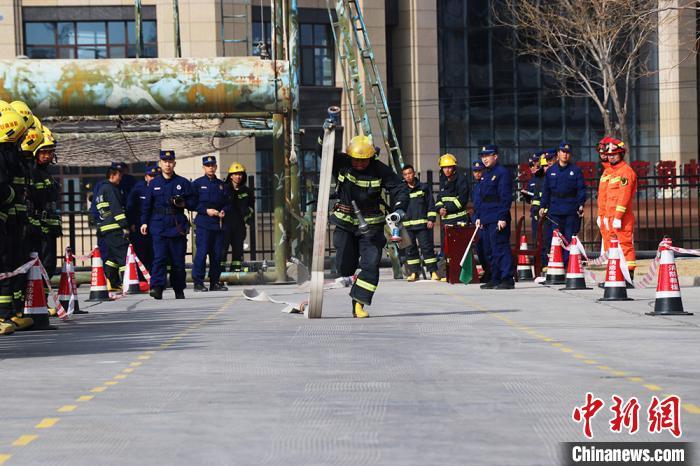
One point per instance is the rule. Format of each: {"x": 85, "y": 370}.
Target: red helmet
{"x": 614, "y": 146}
{"x": 600, "y": 147}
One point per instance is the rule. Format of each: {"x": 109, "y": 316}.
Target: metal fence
{"x": 665, "y": 205}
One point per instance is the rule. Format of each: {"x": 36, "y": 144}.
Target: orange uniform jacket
{"x": 620, "y": 192}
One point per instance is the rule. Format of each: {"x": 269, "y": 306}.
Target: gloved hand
{"x": 617, "y": 224}
{"x": 605, "y": 222}
{"x": 597, "y": 221}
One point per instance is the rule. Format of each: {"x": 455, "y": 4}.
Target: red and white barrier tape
{"x": 52, "y": 295}
{"x": 24, "y": 268}
{"x": 692, "y": 252}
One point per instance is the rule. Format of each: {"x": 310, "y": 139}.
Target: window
{"x": 88, "y": 39}
{"x": 316, "y": 52}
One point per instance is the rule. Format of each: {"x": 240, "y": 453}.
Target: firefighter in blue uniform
{"x": 209, "y": 235}
{"x": 564, "y": 194}
{"x": 533, "y": 193}
{"x": 164, "y": 218}
{"x": 495, "y": 196}
{"x": 361, "y": 177}
{"x": 419, "y": 221}
{"x": 484, "y": 260}
{"x": 94, "y": 214}
{"x": 143, "y": 246}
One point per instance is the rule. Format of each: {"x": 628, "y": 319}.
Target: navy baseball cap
{"x": 167, "y": 155}
{"x": 152, "y": 170}
{"x": 534, "y": 158}
{"x": 489, "y": 149}
{"x": 209, "y": 160}
{"x": 550, "y": 154}
{"x": 564, "y": 146}
{"x": 117, "y": 166}
{"x": 477, "y": 166}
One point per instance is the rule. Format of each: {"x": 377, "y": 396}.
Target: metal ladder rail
{"x": 350, "y": 65}
{"x": 373, "y": 77}
{"x": 224, "y": 17}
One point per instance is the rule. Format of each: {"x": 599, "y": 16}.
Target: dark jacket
{"x": 210, "y": 194}
{"x": 159, "y": 212}
{"x": 495, "y": 195}
{"x": 110, "y": 208}
{"x": 365, "y": 188}
{"x": 564, "y": 190}
{"x": 421, "y": 207}
{"x": 453, "y": 196}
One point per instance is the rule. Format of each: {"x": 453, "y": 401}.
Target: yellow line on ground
{"x": 143, "y": 357}
{"x": 652, "y": 387}
{"x": 135, "y": 364}
{"x": 67, "y": 408}
{"x": 111, "y": 382}
{"x": 128, "y": 370}
{"x": 691, "y": 408}
{"x": 635, "y": 379}
{"x": 119, "y": 377}
{"x": 47, "y": 422}
{"x": 604, "y": 368}
{"x": 85, "y": 397}
{"x": 591, "y": 361}
{"x": 24, "y": 440}
{"x": 98, "y": 389}
{"x": 579, "y": 356}
{"x": 4, "y": 458}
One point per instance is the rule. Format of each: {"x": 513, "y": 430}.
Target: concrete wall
{"x": 678, "y": 100}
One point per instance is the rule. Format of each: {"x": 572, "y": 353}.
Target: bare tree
{"x": 592, "y": 48}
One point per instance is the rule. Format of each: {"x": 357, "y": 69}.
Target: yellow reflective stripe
{"x": 11, "y": 211}
{"x": 122, "y": 268}
{"x": 614, "y": 180}
{"x": 409, "y": 223}
{"x": 3, "y": 216}
{"x": 432, "y": 260}
{"x": 120, "y": 217}
{"x": 242, "y": 195}
{"x": 633, "y": 263}
{"x": 366, "y": 285}
{"x": 621, "y": 208}
{"x": 376, "y": 183}
{"x": 432, "y": 214}
{"x": 604, "y": 178}
{"x": 18, "y": 180}
{"x": 416, "y": 194}
{"x": 535, "y": 202}
{"x": 413, "y": 261}
{"x": 111, "y": 263}
{"x": 21, "y": 207}
{"x": 102, "y": 205}
{"x": 454, "y": 200}
{"x": 52, "y": 221}
{"x": 11, "y": 197}
{"x": 354, "y": 221}
{"x": 5, "y": 299}
{"x": 455, "y": 215}
{"x": 109, "y": 227}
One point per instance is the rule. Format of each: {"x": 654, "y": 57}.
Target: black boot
{"x": 199, "y": 287}
{"x": 488, "y": 285}
{"x": 218, "y": 287}
{"x": 179, "y": 294}
{"x": 506, "y": 284}
{"x": 156, "y": 292}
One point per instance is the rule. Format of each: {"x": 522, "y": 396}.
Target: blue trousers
{"x": 169, "y": 249}
{"x": 484, "y": 256}
{"x": 209, "y": 243}
{"x": 547, "y": 230}
{"x": 568, "y": 226}
{"x": 497, "y": 245}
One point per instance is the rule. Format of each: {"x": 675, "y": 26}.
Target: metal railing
{"x": 665, "y": 205}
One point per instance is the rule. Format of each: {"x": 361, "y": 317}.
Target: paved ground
{"x": 439, "y": 375}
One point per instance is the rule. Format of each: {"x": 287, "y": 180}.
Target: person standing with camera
{"x": 163, "y": 217}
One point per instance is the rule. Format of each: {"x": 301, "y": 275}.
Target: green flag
{"x": 465, "y": 276}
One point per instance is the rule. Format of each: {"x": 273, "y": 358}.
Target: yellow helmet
{"x": 37, "y": 124}
{"x": 4, "y": 106}
{"x": 24, "y": 110}
{"x": 32, "y": 139}
{"x": 361, "y": 147}
{"x": 48, "y": 142}
{"x": 11, "y": 126}
{"x": 236, "y": 167}
{"x": 448, "y": 160}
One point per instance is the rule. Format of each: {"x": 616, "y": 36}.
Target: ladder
{"x": 234, "y": 19}
{"x": 350, "y": 34}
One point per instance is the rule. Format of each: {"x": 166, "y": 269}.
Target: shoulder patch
{"x": 624, "y": 181}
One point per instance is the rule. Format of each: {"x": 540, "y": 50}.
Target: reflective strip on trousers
{"x": 366, "y": 285}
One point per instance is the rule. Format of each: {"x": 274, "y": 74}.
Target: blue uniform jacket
{"x": 535, "y": 186}
{"x": 134, "y": 203}
{"x": 495, "y": 195}
{"x": 158, "y": 211}
{"x": 127, "y": 183}
{"x": 476, "y": 196}
{"x": 564, "y": 190}
{"x": 210, "y": 194}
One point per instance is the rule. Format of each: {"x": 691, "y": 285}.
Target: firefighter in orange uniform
{"x": 622, "y": 187}
{"x": 602, "y": 219}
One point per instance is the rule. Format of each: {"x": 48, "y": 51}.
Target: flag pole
{"x": 469, "y": 246}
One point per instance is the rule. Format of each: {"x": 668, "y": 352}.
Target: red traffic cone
{"x": 615, "y": 284}
{"x": 65, "y": 288}
{"x": 524, "y": 268}
{"x": 98, "y": 281}
{"x": 131, "y": 275}
{"x": 574, "y": 269}
{"x": 555, "y": 267}
{"x": 668, "y": 290}
{"x": 35, "y": 298}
